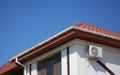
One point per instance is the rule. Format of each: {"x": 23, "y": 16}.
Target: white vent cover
{"x": 95, "y": 52}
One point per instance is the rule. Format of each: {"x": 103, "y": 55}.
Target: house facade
{"x": 69, "y": 53}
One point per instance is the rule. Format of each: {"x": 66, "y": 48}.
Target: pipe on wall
{"x": 19, "y": 63}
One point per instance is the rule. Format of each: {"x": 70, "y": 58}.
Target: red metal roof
{"x": 97, "y": 29}
{"x": 62, "y": 38}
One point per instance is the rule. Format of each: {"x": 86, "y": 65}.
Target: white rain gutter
{"x": 19, "y": 63}
{"x": 64, "y": 31}
{"x": 55, "y": 36}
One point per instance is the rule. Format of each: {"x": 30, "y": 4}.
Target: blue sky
{"x": 25, "y": 23}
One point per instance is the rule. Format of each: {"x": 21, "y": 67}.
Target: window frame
{"x": 53, "y": 58}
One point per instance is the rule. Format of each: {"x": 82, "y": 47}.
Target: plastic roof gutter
{"x": 55, "y": 36}
{"x": 64, "y": 31}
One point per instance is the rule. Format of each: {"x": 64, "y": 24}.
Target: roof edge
{"x": 62, "y": 32}
{"x": 97, "y": 33}
{"x": 40, "y": 44}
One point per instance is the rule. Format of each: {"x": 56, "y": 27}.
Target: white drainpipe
{"x": 16, "y": 60}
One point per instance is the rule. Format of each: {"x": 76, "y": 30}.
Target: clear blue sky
{"x": 25, "y": 23}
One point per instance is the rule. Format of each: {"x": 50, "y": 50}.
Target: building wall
{"x": 62, "y": 49}
{"x": 79, "y": 63}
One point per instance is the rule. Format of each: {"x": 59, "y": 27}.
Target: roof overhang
{"x": 59, "y": 39}
{"x": 63, "y": 32}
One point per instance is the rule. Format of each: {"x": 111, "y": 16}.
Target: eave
{"x": 57, "y": 40}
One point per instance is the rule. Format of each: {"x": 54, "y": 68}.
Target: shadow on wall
{"x": 96, "y": 67}
{"x": 91, "y": 66}
{"x": 110, "y": 59}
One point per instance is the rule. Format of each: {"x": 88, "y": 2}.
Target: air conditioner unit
{"x": 95, "y": 52}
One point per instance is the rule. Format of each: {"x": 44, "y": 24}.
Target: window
{"x": 51, "y": 66}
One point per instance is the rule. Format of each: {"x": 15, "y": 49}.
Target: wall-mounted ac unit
{"x": 95, "y": 52}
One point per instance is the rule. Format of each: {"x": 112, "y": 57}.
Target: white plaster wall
{"x": 81, "y": 65}
{"x": 64, "y": 62}
{"x": 34, "y": 69}
{"x": 112, "y": 60}
{"x": 73, "y": 60}
{"x": 27, "y": 70}
{"x": 78, "y": 60}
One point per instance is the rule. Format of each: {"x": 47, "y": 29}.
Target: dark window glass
{"x": 57, "y": 63}
{"x": 51, "y": 66}
{"x": 41, "y": 69}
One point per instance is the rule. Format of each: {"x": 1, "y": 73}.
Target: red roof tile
{"x": 97, "y": 29}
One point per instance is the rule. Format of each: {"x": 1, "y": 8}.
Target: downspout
{"x": 16, "y": 60}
